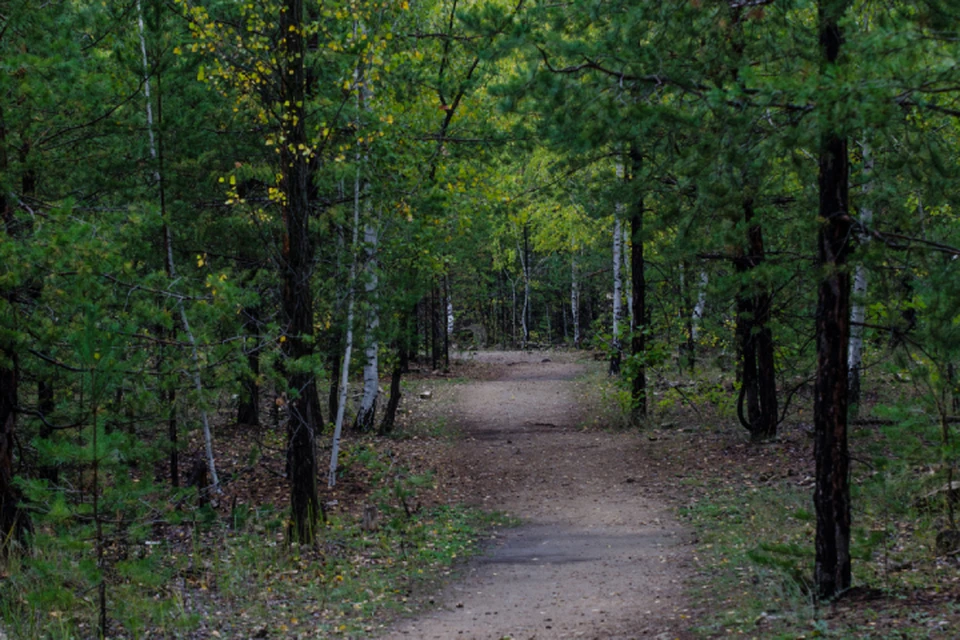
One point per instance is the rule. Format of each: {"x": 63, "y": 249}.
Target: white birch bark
{"x": 371, "y": 372}
{"x": 171, "y": 267}
{"x": 858, "y": 312}
{"x": 525, "y": 267}
{"x": 701, "y": 305}
{"x": 351, "y": 282}
{"x": 617, "y": 274}
{"x": 449, "y": 313}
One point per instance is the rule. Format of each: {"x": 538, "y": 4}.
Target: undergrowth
{"x": 196, "y": 571}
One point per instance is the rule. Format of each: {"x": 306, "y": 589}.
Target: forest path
{"x": 595, "y": 557}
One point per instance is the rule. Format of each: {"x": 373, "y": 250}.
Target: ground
{"x": 597, "y": 554}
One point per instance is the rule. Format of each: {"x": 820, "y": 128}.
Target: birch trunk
{"x": 351, "y": 280}
{"x": 449, "y": 310}
{"x": 857, "y": 315}
{"x": 371, "y": 372}
{"x": 170, "y": 266}
{"x": 525, "y": 266}
{"x": 701, "y": 305}
{"x": 616, "y": 356}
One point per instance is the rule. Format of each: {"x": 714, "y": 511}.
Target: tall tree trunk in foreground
{"x": 638, "y": 286}
{"x": 13, "y": 520}
{"x": 297, "y": 271}
{"x": 832, "y": 492}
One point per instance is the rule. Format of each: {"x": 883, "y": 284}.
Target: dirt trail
{"x": 595, "y": 558}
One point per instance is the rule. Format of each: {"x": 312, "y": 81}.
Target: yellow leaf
{"x": 200, "y": 74}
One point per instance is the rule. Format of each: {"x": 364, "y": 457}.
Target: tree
{"x": 832, "y": 493}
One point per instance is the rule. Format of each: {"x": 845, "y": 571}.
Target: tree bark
{"x": 832, "y": 493}
{"x": 758, "y": 375}
{"x": 855, "y": 358}
{"x": 297, "y": 271}
{"x": 575, "y": 301}
{"x": 248, "y": 407}
{"x": 638, "y": 287}
{"x": 13, "y": 520}
{"x": 616, "y": 355}
{"x": 371, "y": 365}
{"x": 525, "y": 265}
{"x": 402, "y": 366}
{"x": 448, "y": 324}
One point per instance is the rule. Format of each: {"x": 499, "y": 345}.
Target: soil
{"x": 598, "y": 554}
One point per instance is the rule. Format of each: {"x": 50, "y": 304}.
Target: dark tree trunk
{"x": 832, "y": 492}
{"x": 248, "y": 408}
{"x": 14, "y": 522}
{"x": 407, "y": 335}
{"x": 434, "y": 329}
{"x": 297, "y": 266}
{"x": 755, "y": 341}
{"x": 390, "y": 415}
{"x": 638, "y": 285}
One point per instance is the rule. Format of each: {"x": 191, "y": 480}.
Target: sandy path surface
{"x": 595, "y": 557}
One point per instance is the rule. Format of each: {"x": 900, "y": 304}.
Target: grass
{"x": 755, "y": 554}
{"x": 239, "y": 577}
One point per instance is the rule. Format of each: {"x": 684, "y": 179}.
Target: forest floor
{"x": 512, "y": 503}
{"x": 682, "y": 529}
{"x": 598, "y": 554}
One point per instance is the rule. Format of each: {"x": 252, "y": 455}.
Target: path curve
{"x": 594, "y": 558}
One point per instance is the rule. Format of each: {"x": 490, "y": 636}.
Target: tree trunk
{"x": 617, "y": 352}
{"x": 832, "y": 492}
{"x": 297, "y": 269}
{"x": 434, "y": 328}
{"x": 755, "y": 341}
{"x": 525, "y": 265}
{"x": 638, "y": 387}
{"x": 402, "y": 366}
{"x": 448, "y": 325}
{"x": 371, "y": 370}
{"x": 248, "y": 408}
{"x": 700, "y": 307}
{"x": 855, "y": 359}
{"x": 575, "y": 301}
